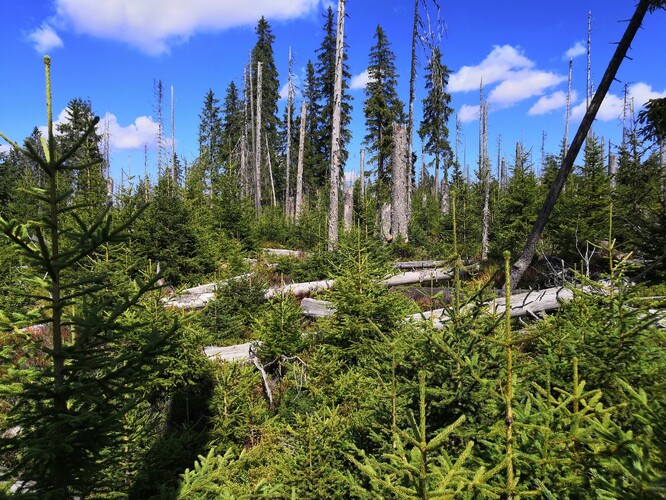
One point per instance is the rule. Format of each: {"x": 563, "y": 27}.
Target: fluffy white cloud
{"x": 45, "y": 39}
{"x": 130, "y": 137}
{"x": 4, "y": 148}
{"x": 612, "y": 107}
{"x": 133, "y": 136}
{"x": 577, "y": 50}
{"x": 468, "y": 113}
{"x": 152, "y": 25}
{"x": 497, "y": 66}
{"x": 548, "y": 103}
{"x": 520, "y": 85}
{"x": 359, "y": 81}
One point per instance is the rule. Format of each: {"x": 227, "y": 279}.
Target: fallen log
{"x": 238, "y": 352}
{"x": 530, "y": 303}
{"x": 313, "y": 308}
{"x": 281, "y": 252}
{"x": 420, "y": 264}
{"x": 412, "y": 277}
{"x": 299, "y": 290}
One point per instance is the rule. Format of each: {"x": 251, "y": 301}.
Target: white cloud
{"x": 5, "y": 148}
{"x": 359, "y": 81}
{"x": 577, "y": 50}
{"x": 612, "y": 107}
{"x": 45, "y": 39}
{"x": 153, "y": 25}
{"x": 497, "y": 66}
{"x": 520, "y": 85}
{"x": 134, "y": 136}
{"x": 468, "y": 113}
{"x": 548, "y": 103}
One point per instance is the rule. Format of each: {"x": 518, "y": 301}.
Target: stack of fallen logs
{"x": 532, "y": 303}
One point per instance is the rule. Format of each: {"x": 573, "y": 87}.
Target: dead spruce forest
{"x": 251, "y": 325}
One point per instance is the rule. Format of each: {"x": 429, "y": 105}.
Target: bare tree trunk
{"x": 662, "y": 161}
{"x": 565, "y": 146}
{"x": 410, "y": 123}
{"x": 173, "y": 135}
{"x": 290, "y": 103}
{"x": 504, "y": 179}
{"x": 298, "y": 209}
{"x": 348, "y": 206}
{"x": 362, "y": 174}
{"x": 399, "y": 178}
{"x": 485, "y": 169}
{"x": 612, "y": 168}
{"x": 521, "y": 265}
{"x": 335, "y": 140}
{"x": 270, "y": 172}
{"x": 257, "y": 146}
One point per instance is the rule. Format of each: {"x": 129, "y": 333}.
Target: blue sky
{"x": 111, "y": 52}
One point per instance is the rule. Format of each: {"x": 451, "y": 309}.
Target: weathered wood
{"x": 419, "y": 264}
{"x": 314, "y": 308}
{"x": 411, "y": 277}
{"x": 299, "y": 289}
{"x": 281, "y": 252}
{"x": 529, "y": 303}
{"x": 399, "y": 183}
{"x": 239, "y": 352}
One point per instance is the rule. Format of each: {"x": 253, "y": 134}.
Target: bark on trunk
{"x": 348, "y": 207}
{"x": 523, "y": 262}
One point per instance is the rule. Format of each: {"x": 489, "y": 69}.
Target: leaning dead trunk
{"x": 521, "y": 265}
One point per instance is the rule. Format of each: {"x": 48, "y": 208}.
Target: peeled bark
{"x": 257, "y": 145}
{"x": 336, "y": 129}
{"x": 298, "y": 209}
{"x": 348, "y": 207}
{"x": 523, "y": 262}
{"x": 398, "y": 187}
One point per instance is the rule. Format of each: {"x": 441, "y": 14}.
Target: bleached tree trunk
{"x": 612, "y": 168}
{"x": 298, "y": 209}
{"x": 290, "y": 103}
{"x": 257, "y": 143}
{"x": 335, "y": 139}
{"x": 445, "y": 205}
{"x": 504, "y": 180}
{"x": 523, "y": 262}
{"x": 362, "y": 174}
{"x": 348, "y": 206}
{"x": 270, "y": 172}
{"x": 410, "y": 122}
{"x": 399, "y": 181}
{"x": 662, "y": 161}
{"x": 485, "y": 169}
{"x": 565, "y": 146}
{"x": 385, "y": 221}
{"x": 173, "y": 135}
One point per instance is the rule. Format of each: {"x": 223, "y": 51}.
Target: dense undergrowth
{"x": 122, "y": 403}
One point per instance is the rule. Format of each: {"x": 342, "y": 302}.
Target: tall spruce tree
{"x": 262, "y": 52}
{"x": 325, "y": 80}
{"x": 381, "y": 108}
{"x": 315, "y": 167}
{"x": 232, "y": 123}
{"x": 436, "y": 113}
{"x": 210, "y": 132}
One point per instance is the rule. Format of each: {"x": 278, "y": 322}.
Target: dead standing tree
{"x": 523, "y": 262}
{"x": 336, "y": 128}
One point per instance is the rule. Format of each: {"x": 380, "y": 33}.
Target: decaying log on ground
{"x": 420, "y": 264}
{"x": 281, "y": 252}
{"x": 299, "y": 290}
{"x": 239, "y": 352}
{"x": 411, "y": 277}
{"x": 313, "y": 308}
{"x": 530, "y": 303}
